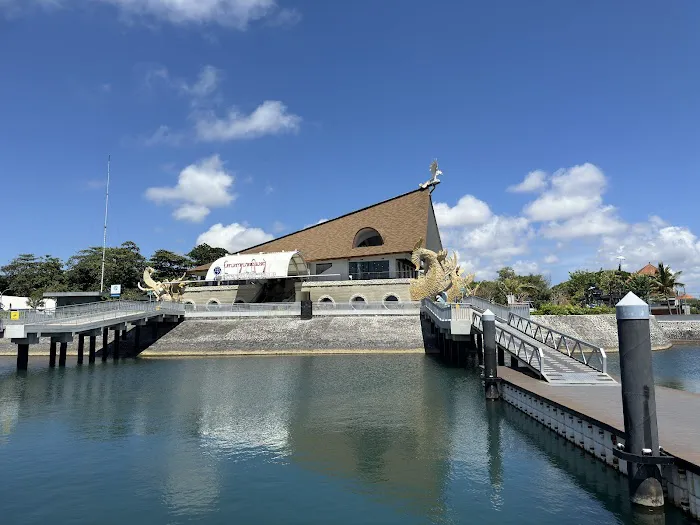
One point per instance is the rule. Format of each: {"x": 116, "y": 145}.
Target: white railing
{"x": 76, "y": 314}
{"x": 500, "y": 311}
{"x": 363, "y": 308}
{"x": 440, "y": 311}
{"x": 244, "y": 310}
{"x": 524, "y": 351}
{"x": 584, "y": 352}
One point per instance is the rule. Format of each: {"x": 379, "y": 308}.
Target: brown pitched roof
{"x": 649, "y": 270}
{"x": 400, "y": 221}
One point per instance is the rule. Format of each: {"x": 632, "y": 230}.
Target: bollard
{"x": 490, "y": 359}
{"x": 639, "y": 404}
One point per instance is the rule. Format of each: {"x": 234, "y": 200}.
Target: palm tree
{"x": 514, "y": 286}
{"x": 666, "y": 282}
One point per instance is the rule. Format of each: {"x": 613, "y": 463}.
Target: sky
{"x": 568, "y": 133}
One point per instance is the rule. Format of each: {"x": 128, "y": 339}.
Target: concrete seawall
{"x": 600, "y": 330}
{"x": 200, "y": 337}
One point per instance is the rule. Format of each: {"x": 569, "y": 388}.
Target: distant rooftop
{"x": 72, "y": 294}
{"x": 649, "y": 270}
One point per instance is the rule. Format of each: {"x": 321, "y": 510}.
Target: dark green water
{"x": 285, "y": 440}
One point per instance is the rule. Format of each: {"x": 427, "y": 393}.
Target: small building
{"x": 362, "y": 256}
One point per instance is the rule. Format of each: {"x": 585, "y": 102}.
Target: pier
{"x": 25, "y": 327}
{"x": 648, "y": 434}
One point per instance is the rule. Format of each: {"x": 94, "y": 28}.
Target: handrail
{"x": 584, "y": 352}
{"x": 500, "y": 311}
{"x": 81, "y": 311}
{"x": 523, "y": 350}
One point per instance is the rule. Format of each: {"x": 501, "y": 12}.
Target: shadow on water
{"x": 590, "y": 474}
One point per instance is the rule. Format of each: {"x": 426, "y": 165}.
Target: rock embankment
{"x": 600, "y": 330}
{"x": 681, "y": 331}
{"x": 289, "y": 335}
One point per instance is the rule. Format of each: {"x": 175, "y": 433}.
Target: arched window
{"x": 367, "y": 237}
{"x": 326, "y": 299}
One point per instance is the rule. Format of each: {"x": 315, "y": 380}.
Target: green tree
{"x": 27, "y": 274}
{"x": 665, "y": 283}
{"x": 36, "y": 300}
{"x": 169, "y": 265}
{"x": 640, "y": 285}
{"x": 123, "y": 265}
{"x": 490, "y": 291}
{"x": 205, "y": 254}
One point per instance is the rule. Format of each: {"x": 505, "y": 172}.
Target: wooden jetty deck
{"x": 678, "y": 412}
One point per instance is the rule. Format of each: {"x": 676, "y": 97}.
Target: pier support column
{"x": 115, "y": 348}
{"x": 490, "y": 359}
{"x": 62, "y": 354}
{"x": 91, "y": 352}
{"x": 52, "y": 354}
{"x": 81, "y": 348}
{"x": 124, "y": 335}
{"x": 105, "y": 343}
{"x": 22, "y": 356}
{"x": 639, "y": 401}
{"x": 501, "y": 357}
{"x": 137, "y": 338}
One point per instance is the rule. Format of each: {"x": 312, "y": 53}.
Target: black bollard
{"x": 115, "y": 345}
{"x": 62, "y": 354}
{"x": 22, "y": 357}
{"x": 81, "y": 348}
{"x": 639, "y": 402}
{"x": 490, "y": 359}
{"x": 105, "y": 343}
{"x": 91, "y": 352}
{"x": 52, "y": 354}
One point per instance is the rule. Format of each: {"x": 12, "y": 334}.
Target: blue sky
{"x": 567, "y": 132}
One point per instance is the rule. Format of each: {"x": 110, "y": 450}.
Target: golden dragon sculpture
{"x": 163, "y": 290}
{"x": 441, "y": 275}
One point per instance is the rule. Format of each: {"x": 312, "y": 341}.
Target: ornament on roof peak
{"x": 435, "y": 173}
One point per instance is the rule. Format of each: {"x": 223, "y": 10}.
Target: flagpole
{"x": 104, "y": 235}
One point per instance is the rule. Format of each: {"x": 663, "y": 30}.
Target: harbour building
{"x": 362, "y": 256}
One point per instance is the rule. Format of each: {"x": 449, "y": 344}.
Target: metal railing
{"x": 440, "y": 311}
{"x": 366, "y": 308}
{"x": 500, "y": 311}
{"x": 526, "y": 352}
{"x": 584, "y": 352}
{"x": 75, "y": 314}
{"x": 244, "y": 310}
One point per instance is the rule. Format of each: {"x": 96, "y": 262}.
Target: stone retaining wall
{"x": 275, "y": 335}
{"x": 600, "y": 330}
{"x": 681, "y": 330}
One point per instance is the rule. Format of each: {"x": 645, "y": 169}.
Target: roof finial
{"x": 435, "y": 172}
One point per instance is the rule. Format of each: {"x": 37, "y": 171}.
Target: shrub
{"x": 569, "y": 309}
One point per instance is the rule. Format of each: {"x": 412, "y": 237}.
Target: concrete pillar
{"x": 137, "y": 338}
{"x": 62, "y": 354}
{"x": 81, "y": 348}
{"x": 22, "y": 356}
{"x": 124, "y": 335}
{"x": 105, "y": 343}
{"x": 52, "y": 354}
{"x": 639, "y": 401}
{"x": 490, "y": 358}
{"x": 115, "y": 344}
{"x": 91, "y": 353}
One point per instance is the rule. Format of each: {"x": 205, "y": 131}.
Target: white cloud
{"x": 551, "y": 259}
{"x": 236, "y": 14}
{"x": 270, "y": 118}
{"x": 163, "y": 135}
{"x": 499, "y": 239}
{"x": 574, "y": 191}
{"x": 599, "y": 221}
{"x": 320, "y": 221}
{"x": 234, "y": 237}
{"x": 525, "y": 267}
{"x": 468, "y": 211}
{"x": 534, "y": 181}
{"x": 200, "y": 187}
{"x": 207, "y": 83}
{"x": 278, "y": 227}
